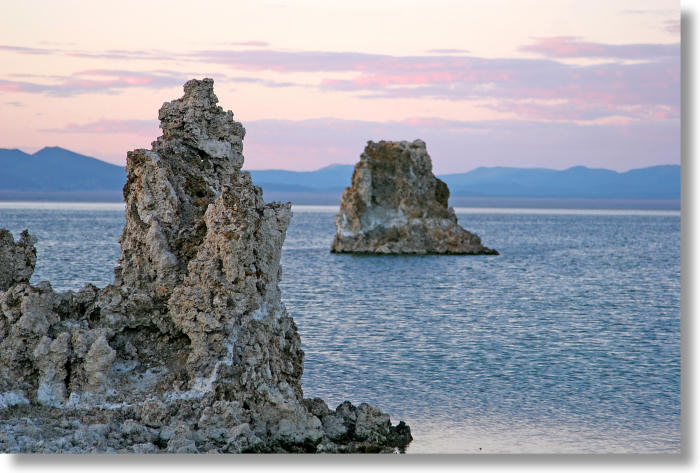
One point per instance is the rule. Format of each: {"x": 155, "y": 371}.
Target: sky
{"x": 525, "y": 83}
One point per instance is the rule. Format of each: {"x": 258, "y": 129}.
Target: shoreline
{"x": 333, "y": 209}
{"x": 333, "y": 199}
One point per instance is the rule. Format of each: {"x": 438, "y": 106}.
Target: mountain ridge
{"x": 35, "y": 175}
{"x": 20, "y": 171}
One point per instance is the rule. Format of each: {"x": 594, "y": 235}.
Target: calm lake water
{"x": 569, "y": 341}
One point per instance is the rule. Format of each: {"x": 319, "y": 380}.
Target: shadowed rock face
{"x": 191, "y": 348}
{"x": 17, "y": 260}
{"x": 396, "y": 205}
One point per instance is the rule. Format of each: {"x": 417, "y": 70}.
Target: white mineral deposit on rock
{"x": 395, "y": 205}
{"x": 191, "y": 348}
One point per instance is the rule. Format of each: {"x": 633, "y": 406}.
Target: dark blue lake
{"x": 569, "y": 341}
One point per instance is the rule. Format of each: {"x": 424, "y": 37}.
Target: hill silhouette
{"x": 55, "y": 173}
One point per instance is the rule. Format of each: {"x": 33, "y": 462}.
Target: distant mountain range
{"x": 54, "y": 173}
{"x": 58, "y": 174}
{"x": 657, "y": 182}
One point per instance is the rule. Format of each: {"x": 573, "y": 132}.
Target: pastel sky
{"x": 536, "y": 83}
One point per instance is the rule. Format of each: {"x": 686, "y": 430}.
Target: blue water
{"x": 569, "y": 341}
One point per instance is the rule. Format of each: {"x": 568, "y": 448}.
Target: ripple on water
{"x": 567, "y": 342}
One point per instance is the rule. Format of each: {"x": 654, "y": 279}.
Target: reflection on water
{"x": 569, "y": 341}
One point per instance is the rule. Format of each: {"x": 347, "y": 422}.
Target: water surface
{"x": 569, "y": 341}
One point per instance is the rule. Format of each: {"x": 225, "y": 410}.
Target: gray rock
{"x": 147, "y": 447}
{"x": 395, "y": 205}
{"x": 191, "y": 349}
{"x": 154, "y": 413}
{"x": 17, "y": 260}
{"x": 181, "y": 441}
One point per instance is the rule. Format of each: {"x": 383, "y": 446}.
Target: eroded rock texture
{"x": 396, "y": 205}
{"x": 17, "y": 260}
{"x": 191, "y": 349}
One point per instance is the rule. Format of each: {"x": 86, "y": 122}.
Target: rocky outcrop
{"x": 191, "y": 349}
{"x": 396, "y": 205}
{"x": 17, "y": 260}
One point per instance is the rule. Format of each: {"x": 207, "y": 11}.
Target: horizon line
{"x": 343, "y": 164}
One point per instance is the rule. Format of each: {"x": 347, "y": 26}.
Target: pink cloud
{"x": 26, "y": 50}
{"x": 587, "y": 91}
{"x": 409, "y": 78}
{"x": 660, "y": 115}
{"x": 584, "y": 110}
{"x": 458, "y": 146}
{"x": 139, "y": 127}
{"x": 10, "y": 86}
{"x": 672, "y": 26}
{"x": 260, "y": 44}
{"x": 115, "y": 77}
{"x": 571, "y": 46}
{"x": 120, "y": 54}
{"x": 611, "y": 88}
{"x": 447, "y": 51}
{"x": 326, "y": 61}
{"x": 65, "y": 49}
{"x": 565, "y": 47}
{"x": 95, "y": 81}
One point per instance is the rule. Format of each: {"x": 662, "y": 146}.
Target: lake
{"x": 568, "y": 342}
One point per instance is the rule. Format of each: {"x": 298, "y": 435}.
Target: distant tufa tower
{"x": 396, "y": 205}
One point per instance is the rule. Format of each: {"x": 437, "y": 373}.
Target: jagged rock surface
{"x": 191, "y": 349}
{"x": 396, "y": 205}
{"x": 17, "y": 260}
